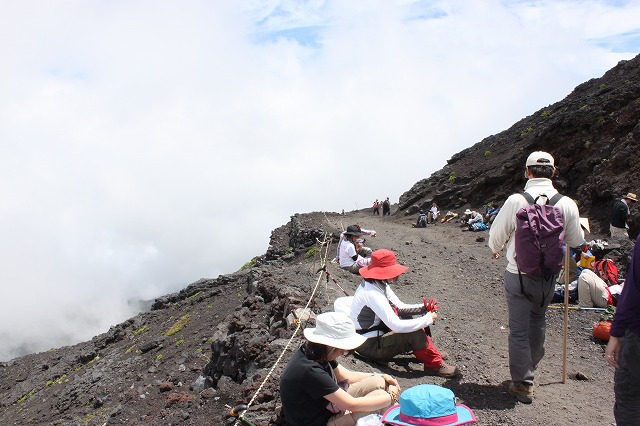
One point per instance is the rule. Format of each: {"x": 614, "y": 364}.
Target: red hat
{"x": 383, "y": 266}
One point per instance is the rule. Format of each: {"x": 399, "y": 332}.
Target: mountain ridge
{"x": 214, "y": 342}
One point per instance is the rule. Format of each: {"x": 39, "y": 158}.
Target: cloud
{"x": 144, "y": 145}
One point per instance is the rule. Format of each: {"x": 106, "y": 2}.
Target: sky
{"x": 147, "y": 144}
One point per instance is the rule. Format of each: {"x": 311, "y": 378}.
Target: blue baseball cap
{"x": 428, "y": 405}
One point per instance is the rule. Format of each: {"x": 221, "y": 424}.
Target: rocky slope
{"x": 593, "y": 134}
{"x": 214, "y": 342}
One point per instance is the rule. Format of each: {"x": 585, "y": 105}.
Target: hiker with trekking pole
{"x": 533, "y": 226}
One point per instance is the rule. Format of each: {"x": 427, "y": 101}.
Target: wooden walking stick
{"x": 567, "y": 255}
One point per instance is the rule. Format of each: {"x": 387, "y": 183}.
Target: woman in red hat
{"x": 387, "y": 333}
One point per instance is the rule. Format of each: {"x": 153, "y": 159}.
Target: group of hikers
{"x": 316, "y": 390}
{"x": 386, "y": 207}
{"x": 470, "y": 220}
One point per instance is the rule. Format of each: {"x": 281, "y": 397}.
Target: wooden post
{"x": 567, "y": 256}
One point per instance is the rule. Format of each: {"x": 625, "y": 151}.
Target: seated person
{"x": 387, "y": 334}
{"x": 472, "y": 217}
{"x": 433, "y": 213}
{"x": 491, "y": 214}
{"x": 310, "y": 386}
{"x": 593, "y": 291}
{"x": 422, "y": 220}
{"x": 352, "y": 254}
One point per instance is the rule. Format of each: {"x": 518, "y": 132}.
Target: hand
{"x": 359, "y": 246}
{"x": 431, "y": 305}
{"x": 496, "y": 255}
{"x": 612, "y": 352}
{"x": 373, "y": 233}
{"x": 434, "y": 316}
{"x": 390, "y": 380}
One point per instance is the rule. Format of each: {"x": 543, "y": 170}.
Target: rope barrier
{"x": 323, "y": 262}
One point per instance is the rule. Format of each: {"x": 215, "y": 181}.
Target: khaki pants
{"x": 370, "y": 385}
{"x": 592, "y": 290}
{"x": 618, "y": 233}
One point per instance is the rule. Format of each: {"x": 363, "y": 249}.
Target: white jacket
{"x": 504, "y": 225}
{"x": 371, "y": 306}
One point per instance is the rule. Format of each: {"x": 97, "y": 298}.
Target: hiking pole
{"x": 567, "y": 254}
{"x": 576, "y": 308}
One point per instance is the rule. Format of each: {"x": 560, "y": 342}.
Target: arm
{"x": 368, "y": 232}
{"x": 342, "y": 373}
{"x": 380, "y": 305}
{"x": 503, "y": 225}
{"x": 371, "y": 402}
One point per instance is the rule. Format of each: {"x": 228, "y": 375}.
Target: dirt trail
{"x": 451, "y": 266}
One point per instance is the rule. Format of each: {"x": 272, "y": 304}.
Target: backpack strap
{"x": 528, "y": 197}
{"x": 555, "y": 199}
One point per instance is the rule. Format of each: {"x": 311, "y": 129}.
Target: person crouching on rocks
{"x": 312, "y": 384}
{"x": 352, "y": 254}
{"x": 387, "y": 333}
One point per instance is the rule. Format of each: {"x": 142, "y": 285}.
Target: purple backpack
{"x": 539, "y": 237}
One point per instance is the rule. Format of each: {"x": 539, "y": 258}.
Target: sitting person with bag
{"x": 312, "y": 386}
{"x": 599, "y": 287}
{"x": 387, "y": 333}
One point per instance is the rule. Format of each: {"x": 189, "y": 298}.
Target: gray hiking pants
{"x": 527, "y": 325}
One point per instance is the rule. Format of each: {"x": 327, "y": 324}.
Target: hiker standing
{"x": 387, "y": 334}
{"x": 386, "y": 207}
{"x": 624, "y": 354}
{"x": 376, "y": 207}
{"x": 528, "y": 296}
{"x": 619, "y": 226}
{"x": 310, "y": 386}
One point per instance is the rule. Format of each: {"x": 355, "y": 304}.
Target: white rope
{"x": 286, "y": 347}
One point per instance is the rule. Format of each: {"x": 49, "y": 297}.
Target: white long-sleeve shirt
{"x": 370, "y": 307}
{"x": 504, "y": 225}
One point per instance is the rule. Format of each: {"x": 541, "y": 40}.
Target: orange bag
{"x": 601, "y": 330}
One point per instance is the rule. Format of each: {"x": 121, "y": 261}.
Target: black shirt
{"x": 620, "y": 214}
{"x": 303, "y": 386}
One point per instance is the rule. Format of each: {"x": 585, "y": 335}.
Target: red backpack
{"x": 607, "y": 271}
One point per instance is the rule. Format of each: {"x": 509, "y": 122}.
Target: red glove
{"x": 431, "y": 305}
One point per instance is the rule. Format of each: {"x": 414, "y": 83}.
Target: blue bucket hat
{"x": 428, "y": 405}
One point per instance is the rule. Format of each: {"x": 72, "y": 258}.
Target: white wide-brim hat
{"x": 334, "y": 329}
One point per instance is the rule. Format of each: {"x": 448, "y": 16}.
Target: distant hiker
{"x": 376, "y": 207}
{"x": 472, "y": 217}
{"x": 422, "y": 220}
{"x": 620, "y": 216}
{"x": 624, "y": 354}
{"x": 388, "y": 335}
{"x": 386, "y": 207}
{"x": 433, "y": 213}
{"x": 352, "y": 254}
{"x": 490, "y": 214}
{"x": 311, "y": 386}
{"x": 528, "y": 295}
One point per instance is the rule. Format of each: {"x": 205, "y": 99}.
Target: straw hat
{"x": 631, "y": 196}
{"x": 334, "y": 329}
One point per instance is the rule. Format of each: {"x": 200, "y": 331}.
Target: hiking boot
{"x": 522, "y": 391}
{"x": 445, "y": 370}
